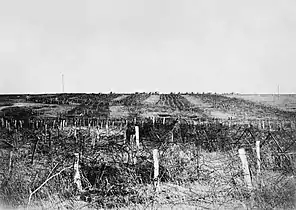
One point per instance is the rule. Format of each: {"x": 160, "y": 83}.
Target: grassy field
{"x": 197, "y": 137}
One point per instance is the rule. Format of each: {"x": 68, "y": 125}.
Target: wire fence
{"x": 116, "y": 158}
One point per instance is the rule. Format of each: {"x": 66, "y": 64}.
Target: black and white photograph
{"x": 147, "y": 104}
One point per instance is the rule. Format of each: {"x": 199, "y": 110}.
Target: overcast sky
{"x": 244, "y": 46}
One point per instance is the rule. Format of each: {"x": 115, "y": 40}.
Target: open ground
{"x": 147, "y": 151}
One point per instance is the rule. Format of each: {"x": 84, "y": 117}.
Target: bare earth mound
{"x": 153, "y": 99}
{"x": 207, "y": 107}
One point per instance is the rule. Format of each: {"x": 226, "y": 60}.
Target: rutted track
{"x": 174, "y": 101}
{"x": 132, "y": 100}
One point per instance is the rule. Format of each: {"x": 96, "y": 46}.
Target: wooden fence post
{"x": 34, "y": 150}
{"x": 10, "y": 162}
{"x": 93, "y": 141}
{"x": 45, "y": 128}
{"x": 77, "y": 178}
{"x": 124, "y": 137}
{"x": 172, "y": 136}
{"x": 107, "y": 128}
{"x": 245, "y": 166}
{"x": 156, "y": 170}
{"x": 137, "y": 136}
{"x": 49, "y": 140}
{"x": 258, "y": 157}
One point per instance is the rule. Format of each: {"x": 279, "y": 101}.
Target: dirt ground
{"x": 151, "y": 100}
{"x": 207, "y": 108}
{"x": 45, "y": 110}
{"x": 283, "y": 101}
{"x": 120, "y": 98}
{"x": 119, "y": 111}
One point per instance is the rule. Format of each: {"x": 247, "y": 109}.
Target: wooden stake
{"x": 77, "y": 178}
{"x": 34, "y": 150}
{"x": 137, "y": 136}
{"x": 124, "y": 136}
{"x": 10, "y": 163}
{"x": 172, "y": 136}
{"x": 93, "y": 141}
{"x": 107, "y": 128}
{"x": 45, "y": 126}
{"x": 258, "y": 157}
{"x": 245, "y": 166}
{"x": 156, "y": 169}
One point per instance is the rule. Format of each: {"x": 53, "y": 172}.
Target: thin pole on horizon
{"x": 278, "y": 92}
{"x": 63, "y": 86}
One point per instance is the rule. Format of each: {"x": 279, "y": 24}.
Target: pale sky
{"x": 246, "y": 46}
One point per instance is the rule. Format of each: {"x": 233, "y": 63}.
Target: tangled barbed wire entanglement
{"x": 198, "y": 160}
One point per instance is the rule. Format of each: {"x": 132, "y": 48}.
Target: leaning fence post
{"x": 10, "y": 162}
{"x": 34, "y": 150}
{"x": 77, "y": 178}
{"x": 245, "y": 166}
{"x": 258, "y": 157}
{"x": 156, "y": 170}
